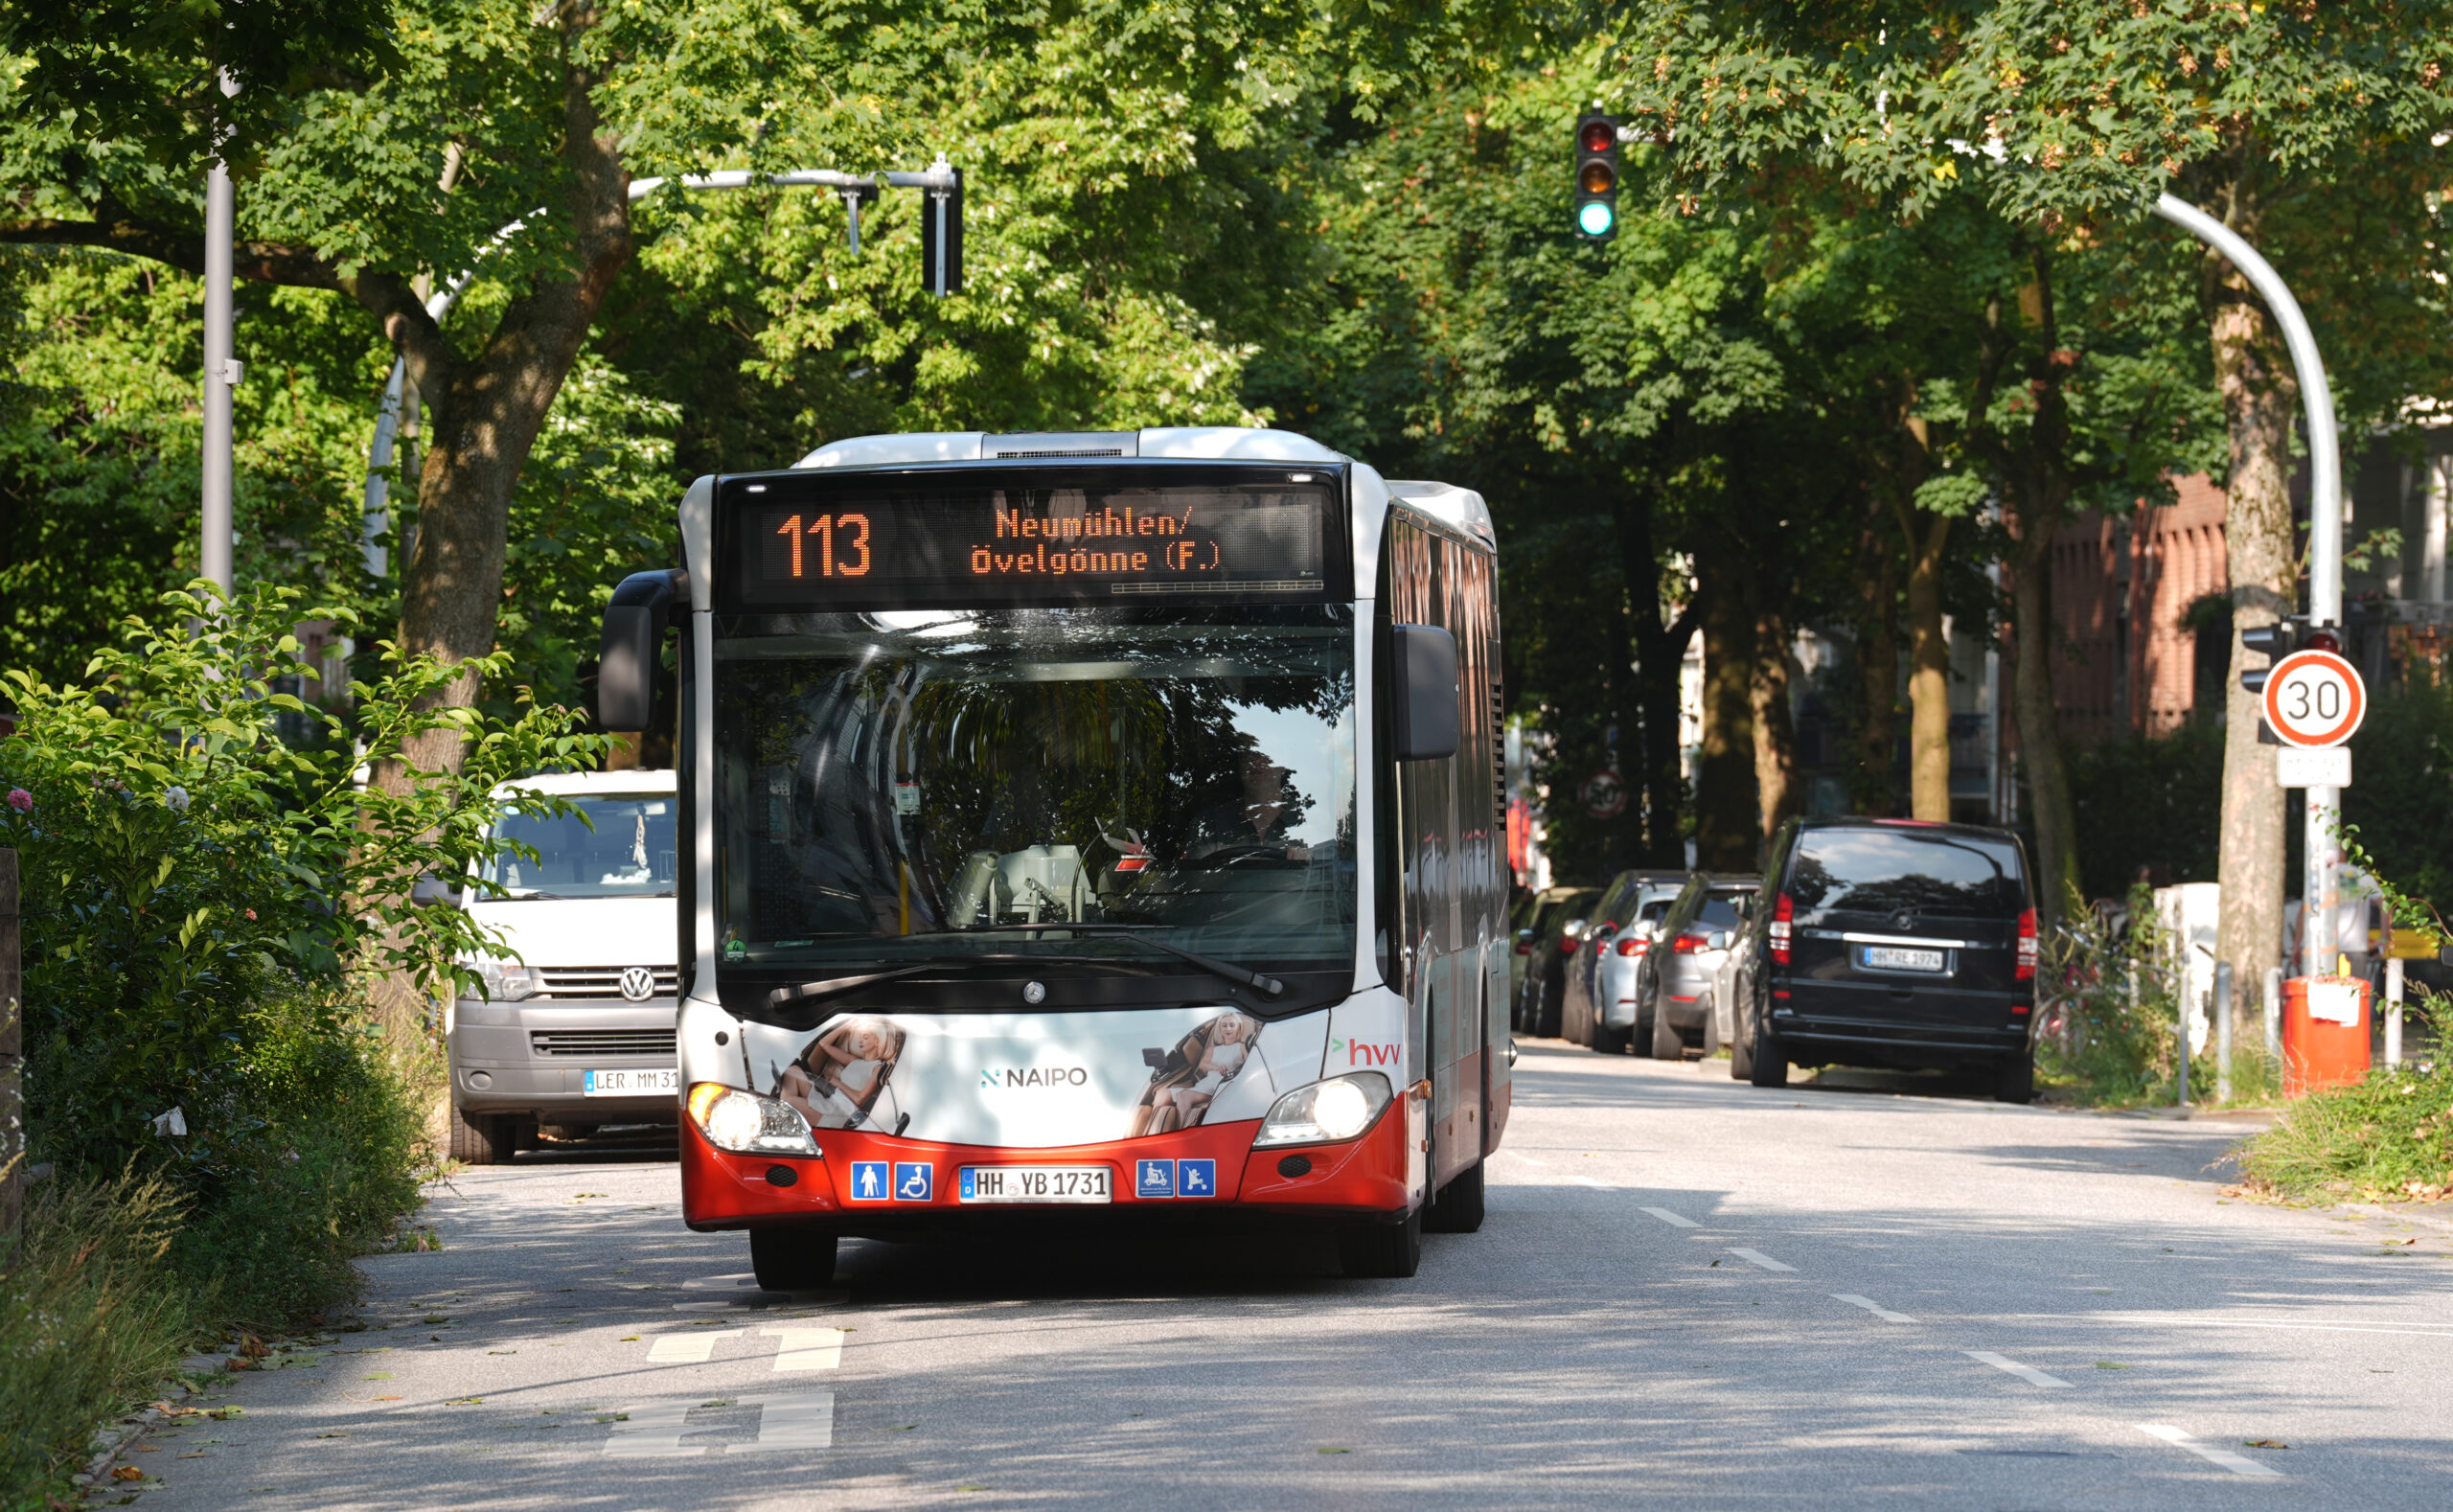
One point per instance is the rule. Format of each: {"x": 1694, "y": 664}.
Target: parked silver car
{"x": 1623, "y": 967}
{"x": 1690, "y": 945}
{"x": 1583, "y": 996}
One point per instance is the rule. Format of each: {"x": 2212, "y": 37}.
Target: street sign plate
{"x": 2312, "y": 767}
{"x": 2314, "y": 699}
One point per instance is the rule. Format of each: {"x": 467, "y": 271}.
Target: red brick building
{"x": 2121, "y": 593}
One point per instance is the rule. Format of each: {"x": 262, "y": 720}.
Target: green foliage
{"x": 2387, "y": 1139}
{"x": 90, "y": 1318}
{"x": 2111, "y": 1016}
{"x": 2150, "y": 801}
{"x": 188, "y": 872}
{"x": 2401, "y": 806}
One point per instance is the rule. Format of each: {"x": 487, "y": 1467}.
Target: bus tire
{"x": 793, "y": 1259}
{"x": 1382, "y": 1251}
{"x": 1457, "y": 1209}
{"x": 483, "y": 1139}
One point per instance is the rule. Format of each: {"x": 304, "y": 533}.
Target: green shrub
{"x": 2388, "y": 1137}
{"x": 90, "y": 1319}
{"x": 2101, "y": 1043}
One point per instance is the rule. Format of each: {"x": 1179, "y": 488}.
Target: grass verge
{"x": 2388, "y": 1138}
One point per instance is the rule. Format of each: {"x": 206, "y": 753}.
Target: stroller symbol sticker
{"x": 913, "y": 1180}
{"x": 1154, "y": 1179}
{"x": 868, "y": 1181}
{"x": 1197, "y": 1178}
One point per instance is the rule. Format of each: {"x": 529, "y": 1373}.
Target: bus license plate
{"x": 1900, "y": 958}
{"x": 645, "y": 1082}
{"x": 1037, "y": 1183}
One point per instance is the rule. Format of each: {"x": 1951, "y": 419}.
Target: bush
{"x": 89, "y": 1319}
{"x": 2387, "y": 1139}
{"x": 205, "y": 909}
{"x": 2150, "y": 801}
{"x": 2099, "y": 1044}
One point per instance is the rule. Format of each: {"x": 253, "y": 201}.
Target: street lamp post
{"x": 2321, "y": 887}
{"x": 221, "y": 370}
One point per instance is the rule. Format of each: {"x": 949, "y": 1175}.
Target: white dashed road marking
{"x": 807, "y": 1348}
{"x": 2238, "y": 1464}
{"x": 688, "y": 1349}
{"x": 1871, "y": 1306}
{"x": 791, "y": 1420}
{"x": 1757, "y": 1257}
{"x": 2027, "y": 1373}
{"x": 1673, "y": 1220}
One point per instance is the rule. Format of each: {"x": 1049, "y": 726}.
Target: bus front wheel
{"x": 1382, "y": 1252}
{"x": 1457, "y": 1209}
{"x": 791, "y": 1259}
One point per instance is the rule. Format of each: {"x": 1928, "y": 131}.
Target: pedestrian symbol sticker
{"x": 1154, "y": 1179}
{"x": 868, "y": 1181}
{"x": 912, "y": 1180}
{"x": 1196, "y": 1178}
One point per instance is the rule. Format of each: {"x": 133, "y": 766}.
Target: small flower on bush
{"x": 21, "y": 800}
{"x": 177, "y": 797}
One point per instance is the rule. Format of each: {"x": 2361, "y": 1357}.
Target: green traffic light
{"x": 1594, "y": 218}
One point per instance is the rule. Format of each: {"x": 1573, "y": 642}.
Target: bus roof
{"x": 1210, "y": 443}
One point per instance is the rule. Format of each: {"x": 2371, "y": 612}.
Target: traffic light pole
{"x": 2321, "y": 890}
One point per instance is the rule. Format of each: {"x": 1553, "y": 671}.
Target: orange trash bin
{"x": 2325, "y": 1032}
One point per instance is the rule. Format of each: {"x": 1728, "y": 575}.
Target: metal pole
{"x": 2393, "y": 1011}
{"x": 2273, "y": 1006}
{"x": 2321, "y": 888}
{"x": 220, "y": 374}
{"x": 2222, "y": 1031}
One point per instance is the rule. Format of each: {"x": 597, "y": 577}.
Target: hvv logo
{"x": 1364, "y": 1052}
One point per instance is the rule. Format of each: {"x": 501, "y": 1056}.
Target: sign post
{"x": 2314, "y": 702}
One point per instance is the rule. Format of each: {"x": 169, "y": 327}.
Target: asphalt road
{"x": 1688, "y": 1293}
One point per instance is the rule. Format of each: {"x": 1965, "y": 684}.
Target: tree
{"x": 2071, "y": 118}
{"x": 493, "y": 114}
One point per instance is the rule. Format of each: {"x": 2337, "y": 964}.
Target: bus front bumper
{"x": 1364, "y": 1177}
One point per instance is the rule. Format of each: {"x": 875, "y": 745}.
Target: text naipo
{"x": 1364, "y": 1052}
{"x": 998, "y": 1077}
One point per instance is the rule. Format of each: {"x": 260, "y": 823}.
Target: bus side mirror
{"x": 1425, "y": 718}
{"x": 627, "y": 653}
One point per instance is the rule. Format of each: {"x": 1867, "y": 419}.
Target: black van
{"x": 1893, "y": 943}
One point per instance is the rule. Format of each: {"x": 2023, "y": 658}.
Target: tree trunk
{"x": 1727, "y": 828}
{"x": 1777, "y": 795}
{"x": 2048, "y": 777}
{"x": 2261, "y": 400}
{"x": 1878, "y": 679}
{"x": 1929, "y": 675}
{"x": 1660, "y": 650}
{"x": 486, "y": 413}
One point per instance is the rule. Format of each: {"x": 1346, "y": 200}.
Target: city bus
{"x": 1080, "y": 829}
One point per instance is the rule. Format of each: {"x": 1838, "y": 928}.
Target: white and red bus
{"x": 1099, "y": 826}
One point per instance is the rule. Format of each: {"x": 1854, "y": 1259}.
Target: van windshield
{"x": 615, "y": 845}
{"x": 1885, "y": 871}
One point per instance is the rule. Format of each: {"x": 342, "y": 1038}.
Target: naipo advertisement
{"x": 1036, "y": 1080}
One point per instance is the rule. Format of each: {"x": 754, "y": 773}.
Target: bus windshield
{"x": 906, "y": 786}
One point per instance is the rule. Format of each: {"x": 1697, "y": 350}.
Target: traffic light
{"x": 940, "y": 217}
{"x": 2281, "y": 639}
{"x": 1596, "y": 177}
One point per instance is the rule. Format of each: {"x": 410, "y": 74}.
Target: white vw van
{"x": 575, "y": 1027}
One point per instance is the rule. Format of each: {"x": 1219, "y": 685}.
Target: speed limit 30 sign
{"x": 2314, "y": 699}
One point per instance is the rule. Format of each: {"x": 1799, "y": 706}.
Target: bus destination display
{"x": 1013, "y": 545}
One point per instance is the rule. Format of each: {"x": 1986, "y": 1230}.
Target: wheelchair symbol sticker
{"x": 913, "y": 1180}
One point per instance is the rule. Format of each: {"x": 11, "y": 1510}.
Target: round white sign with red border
{"x": 2314, "y": 699}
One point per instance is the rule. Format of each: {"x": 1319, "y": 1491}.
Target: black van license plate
{"x": 1901, "y": 958}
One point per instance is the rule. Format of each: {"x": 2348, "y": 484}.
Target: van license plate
{"x": 645, "y": 1082}
{"x": 1900, "y": 958}
{"x": 1037, "y": 1183}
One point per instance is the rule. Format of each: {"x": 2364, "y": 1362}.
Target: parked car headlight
{"x": 748, "y": 1124}
{"x": 508, "y": 982}
{"x": 1325, "y": 1112}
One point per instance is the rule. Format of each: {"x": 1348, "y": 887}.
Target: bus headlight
{"x": 1325, "y": 1112}
{"x": 508, "y": 981}
{"x": 748, "y": 1124}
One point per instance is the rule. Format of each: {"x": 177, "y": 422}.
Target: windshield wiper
{"x": 1265, "y": 985}
{"x": 783, "y": 997}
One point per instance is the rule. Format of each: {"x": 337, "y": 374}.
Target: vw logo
{"x": 639, "y": 983}
{"x": 1904, "y": 919}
